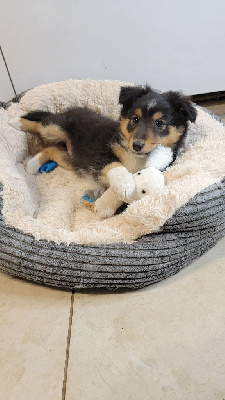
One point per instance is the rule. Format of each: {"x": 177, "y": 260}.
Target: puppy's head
{"x": 149, "y": 118}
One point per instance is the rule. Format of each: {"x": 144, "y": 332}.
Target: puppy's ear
{"x": 183, "y": 104}
{"x": 131, "y": 93}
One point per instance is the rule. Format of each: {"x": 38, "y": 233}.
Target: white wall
{"x": 171, "y": 44}
{"x": 6, "y": 90}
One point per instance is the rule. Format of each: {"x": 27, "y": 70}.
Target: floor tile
{"x": 33, "y": 339}
{"x": 216, "y": 108}
{"x": 166, "y": 341}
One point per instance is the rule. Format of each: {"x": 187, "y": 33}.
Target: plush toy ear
{"x": 183, "y": 104}
{"x": 131, "y": 93}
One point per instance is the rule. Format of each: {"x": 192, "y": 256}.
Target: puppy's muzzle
{"x": 138, "y": 146}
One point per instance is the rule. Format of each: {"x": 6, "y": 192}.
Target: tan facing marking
{"x": 123, "y": 127}
{"x": 173, "y": 137}
{"x": 53, "y": 132}
{"x": 35, "y": 144}
{"x": 138, "y": 112}
{"x": 119, "y": 152}
{"x": 157, "y": 115}
{"x": 29, "y": 126}
{"x": 128, "y": 135}
{"x": 61, "y": 157}
{"x": 151, "y": 142}
{"x": 169, "y": 140}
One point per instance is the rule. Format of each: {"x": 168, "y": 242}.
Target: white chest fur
{"x": 132, "y": 162}
{"x": 159, "y": 158}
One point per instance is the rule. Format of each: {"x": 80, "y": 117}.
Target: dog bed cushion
{"x": 46, "y": 234}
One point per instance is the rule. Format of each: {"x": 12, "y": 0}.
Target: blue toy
{"x": 48, "y": 167}
{"x": 88, "y": 201}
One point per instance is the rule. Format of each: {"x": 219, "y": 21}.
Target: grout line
{"x": 68, "y": 347}
{"x": 7, "y": 70}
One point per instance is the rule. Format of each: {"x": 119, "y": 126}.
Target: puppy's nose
{"x": 138, "y": 146}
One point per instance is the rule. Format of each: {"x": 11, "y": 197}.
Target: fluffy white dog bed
{"x": 45, "y": 228}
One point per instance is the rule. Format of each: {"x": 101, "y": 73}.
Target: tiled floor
{"x": 166, "y": 341}
{"x": 218, "y": 109}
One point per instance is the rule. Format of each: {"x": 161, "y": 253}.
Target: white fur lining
{"x": 47, "y": 205}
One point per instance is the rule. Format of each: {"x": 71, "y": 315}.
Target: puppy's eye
{"x": 143, "y": 191}
{"x": 135, "y": 119}
{"x": 159, "y": 123}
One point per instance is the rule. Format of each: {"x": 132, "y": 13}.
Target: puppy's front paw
{"x": 15, "y": 123}
{"x": 32, "y": 166}
{"x": 122, "y": 183}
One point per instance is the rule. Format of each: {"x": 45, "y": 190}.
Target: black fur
{"x": 181, "y": 105}
{"x": 174, "y": 104}
{"x": 130, "y": 94}
{"x": 92, "y": 135}
{"x": 36, "y": 115}
{"x": 176, "y": 108}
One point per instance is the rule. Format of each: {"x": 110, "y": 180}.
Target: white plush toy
{"x": 145, "y": 182}
{"x": 126, "y": 187}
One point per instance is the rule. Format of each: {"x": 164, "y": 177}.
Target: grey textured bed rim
{"x": 194, "y": 229}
